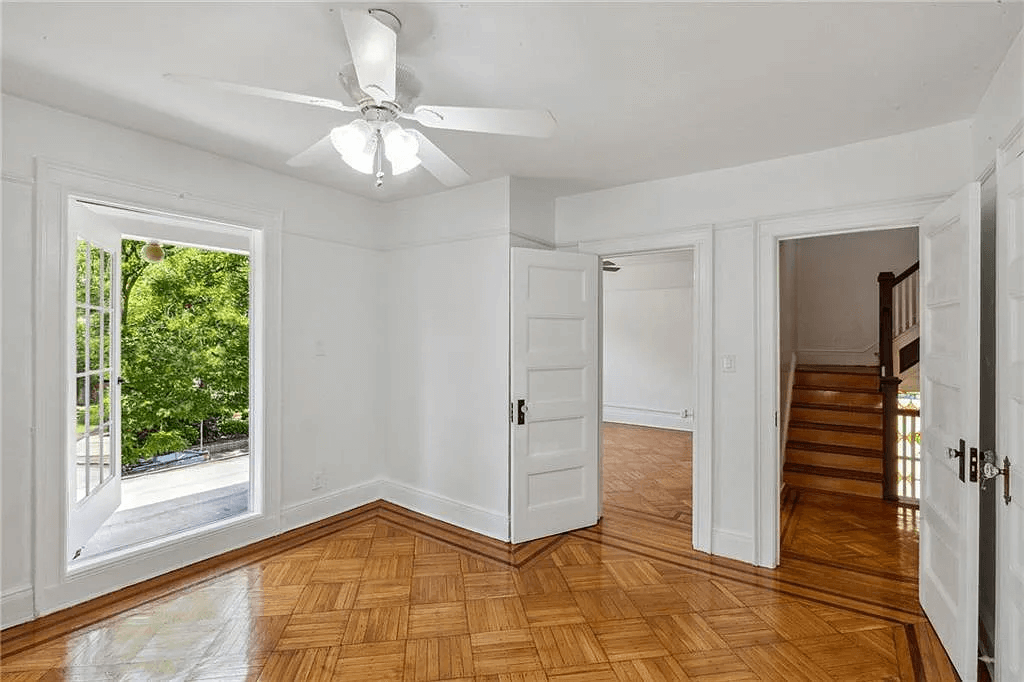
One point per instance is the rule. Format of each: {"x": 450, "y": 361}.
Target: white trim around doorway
{"x": 767, "y": 476}
{"x": 54, "y": 586}
{"x": 700, "y": 240}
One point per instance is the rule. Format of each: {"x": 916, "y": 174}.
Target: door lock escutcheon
{"x": 989, "y": 470}
{"x": 961, "y": 453}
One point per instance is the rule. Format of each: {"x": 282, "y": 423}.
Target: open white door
{"x": 1010, "y": 423}
{"x": 950, "y": 246}
{"x": 94, "y": 431}
{"x": 556, "y": 433}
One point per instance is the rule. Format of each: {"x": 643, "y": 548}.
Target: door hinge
{"x": 989, "y": 470}
{"x": 776, "y": 419}
{"x": 517, "y": 412}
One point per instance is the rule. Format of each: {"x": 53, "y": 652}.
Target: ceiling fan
{"x": 385, "y": 92}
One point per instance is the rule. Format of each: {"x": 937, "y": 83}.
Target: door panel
{"x": 950, "y": 251}
{"x": 94, "y": 453}
{"x": 1010, "y": 422}
{"x": 555, "y": 456}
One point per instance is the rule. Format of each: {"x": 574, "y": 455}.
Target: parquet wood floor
{"x": 381, "y": 593}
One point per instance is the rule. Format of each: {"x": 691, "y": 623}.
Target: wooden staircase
{"x": 835, "y": 431}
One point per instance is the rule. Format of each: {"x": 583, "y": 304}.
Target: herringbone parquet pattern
{"x": 385, "y": 594}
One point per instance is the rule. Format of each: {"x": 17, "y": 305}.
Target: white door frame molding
{"x": 54, "y": 586}
{"x": 864, "y": 218}
{"x": 699, "y": 239}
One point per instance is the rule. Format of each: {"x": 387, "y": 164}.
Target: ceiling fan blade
{"x": 259, "y": 92}
{"x": 374, "y": 48}
{"x": 320, "y": 151}
{"x": 438, "y": 163}
{"x": 526, "y": 122}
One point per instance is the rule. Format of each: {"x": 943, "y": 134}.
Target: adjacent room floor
{"x": 381, "y": 593}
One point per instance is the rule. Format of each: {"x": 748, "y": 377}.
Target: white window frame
{"x": 55, "y": 585}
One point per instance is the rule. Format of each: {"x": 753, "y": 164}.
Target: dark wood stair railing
{"x": 889, "y": 384}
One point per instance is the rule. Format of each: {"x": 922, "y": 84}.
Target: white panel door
{"x": 94, "y": 430}
{"x": 950, "y": 254}
{"x": 556, "y": 433}
{"x": 1010, "y": 423}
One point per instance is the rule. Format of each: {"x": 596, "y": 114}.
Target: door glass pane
{"x": 105, "y": 419}
{"x": 105, "y": 282}
{"x": 81, "y": 433}
{"x": 80, "y": 341}
{"x": 81, "y": 273}
{"x": 95, "y": 276}
{"x": 107, "y": 348}
{"x": 95, "y": 351}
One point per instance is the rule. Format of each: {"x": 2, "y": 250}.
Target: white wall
{"x": 1001, "y": 108}
{"x": 447, "y": 341}
{"x": 329, "y": 397}
{"x": 648, "y": 341}
{"x": 926, "y": 162}
{"x": 531, "y": 213}
{"x": 837, "y": 281}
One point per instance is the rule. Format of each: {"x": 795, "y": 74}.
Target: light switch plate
{"x": 729, "y": 363}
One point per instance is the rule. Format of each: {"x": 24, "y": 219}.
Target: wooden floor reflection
{"x": 381, "y": 593}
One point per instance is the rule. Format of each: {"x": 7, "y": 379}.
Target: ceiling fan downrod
{"x": 378, "y": 157}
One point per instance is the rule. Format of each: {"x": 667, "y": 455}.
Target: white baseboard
{"x": 328, "y": 505}
{"x": 16, "y": 606}
{"x": 645, "y": 416}
{"x": 839, "y": 356}
{"x": 467, "y": 516}
{"x": 732, "y": 545}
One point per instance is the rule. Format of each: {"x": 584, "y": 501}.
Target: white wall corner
{"x": 325, "y": 506}
{"x": 469, "y": 517}
{"x": 16, "y": 606}
{"x": 647, "y": 416}
{"x": 733, "y": 545}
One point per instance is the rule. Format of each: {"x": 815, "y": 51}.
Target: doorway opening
{"x": 162, "y": 383}
{"x": 649, "y": 385}
{"x": 849, "y": 393}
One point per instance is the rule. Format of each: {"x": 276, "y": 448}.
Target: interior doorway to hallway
{"x": 649, "y": 381}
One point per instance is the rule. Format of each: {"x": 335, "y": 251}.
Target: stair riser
{"x": 830, "y": 379}
{"x": 834, "y": 460}
{"x": 810, "y": 414}
{"x": 840, "y": 398}
{"x": 854, "y": 440}
{"x": 841, "y": 485}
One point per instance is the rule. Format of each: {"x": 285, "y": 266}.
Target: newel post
{"x": 889, "y": 384}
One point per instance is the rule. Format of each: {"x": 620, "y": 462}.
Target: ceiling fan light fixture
{"x": 352, "y": 138}
{"x": 401, "y": 148}
{"x": 354, "y": 142}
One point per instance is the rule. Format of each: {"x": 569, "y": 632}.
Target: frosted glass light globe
{"x": 400, "y": 148}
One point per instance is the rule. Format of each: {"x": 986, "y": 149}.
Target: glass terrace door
{"x": 94, "y": 457}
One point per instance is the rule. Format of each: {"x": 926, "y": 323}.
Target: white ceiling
{"x": 641, "y": 90}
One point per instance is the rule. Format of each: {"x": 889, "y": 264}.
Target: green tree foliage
{"x": 184, "y": 346}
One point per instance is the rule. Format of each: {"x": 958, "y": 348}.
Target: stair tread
{"x": 831, "y": 472}
{"x": 805, "y": 446}
{"x": 837, "y": 389}
{"x": 864, "y": 409}
{"x": 839, "y": 369}
{"x": 845, "y": 428}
